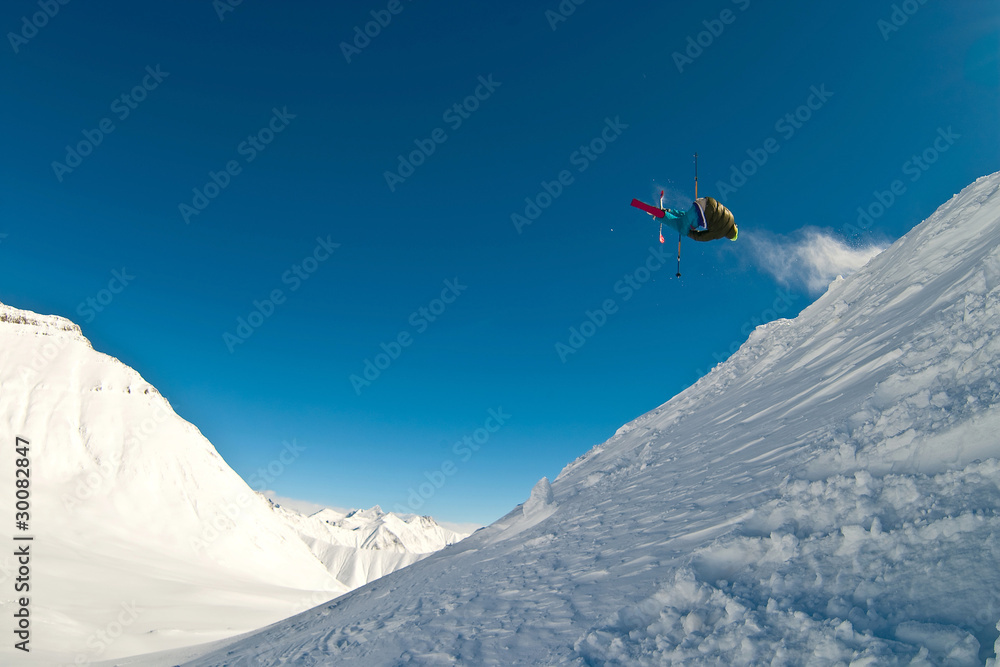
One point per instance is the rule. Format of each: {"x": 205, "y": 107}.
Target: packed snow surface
{"x": 144, "y": 538}
{"x": 828, "y": 496}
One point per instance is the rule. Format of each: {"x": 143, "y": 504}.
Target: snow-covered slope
{"x": 139, "y": 525}
{"x": 829, "y": 495}
{"x": 144, "y": 538}
{"x": 362, "y": 545}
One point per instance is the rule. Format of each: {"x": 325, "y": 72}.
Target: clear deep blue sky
{"x": 218, "y": 82}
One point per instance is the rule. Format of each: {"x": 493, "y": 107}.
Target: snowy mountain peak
{"x": 423, "y": 521}
{"x": 361, "y": 545}
{"x": 372, "y": 514}
{"x": 329, "y": 515}
{"x": 14, "y": 321}
{"x": 127, "y": 492}
{"x": 25, "y": 321}
{"x": 828, "y": 495}
{"x": 397, "y": 530}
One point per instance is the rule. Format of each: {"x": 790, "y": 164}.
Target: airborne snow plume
{"x": 813, "y": 259}
{"x": 829, "y": 495}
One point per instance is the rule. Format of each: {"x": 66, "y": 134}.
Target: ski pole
{"x": 696, "y": 176}
{"x": 679, "y": 234}
{"x": 678, "y": 254}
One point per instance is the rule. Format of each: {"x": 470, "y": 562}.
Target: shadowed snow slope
{"x": 828, "y": 494}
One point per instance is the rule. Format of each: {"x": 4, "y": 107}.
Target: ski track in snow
{"x": 828, "y": 496}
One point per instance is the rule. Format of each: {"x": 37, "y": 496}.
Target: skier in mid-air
{"x": 706, "y": 220}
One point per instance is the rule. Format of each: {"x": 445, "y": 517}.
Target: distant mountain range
{"x": 362, "y": 545}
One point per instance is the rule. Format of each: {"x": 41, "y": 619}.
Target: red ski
{"x": 655, "y": 211}
{"x": 648, "y": 208}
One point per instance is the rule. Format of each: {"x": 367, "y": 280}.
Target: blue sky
{"x": 218, "y": 156}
